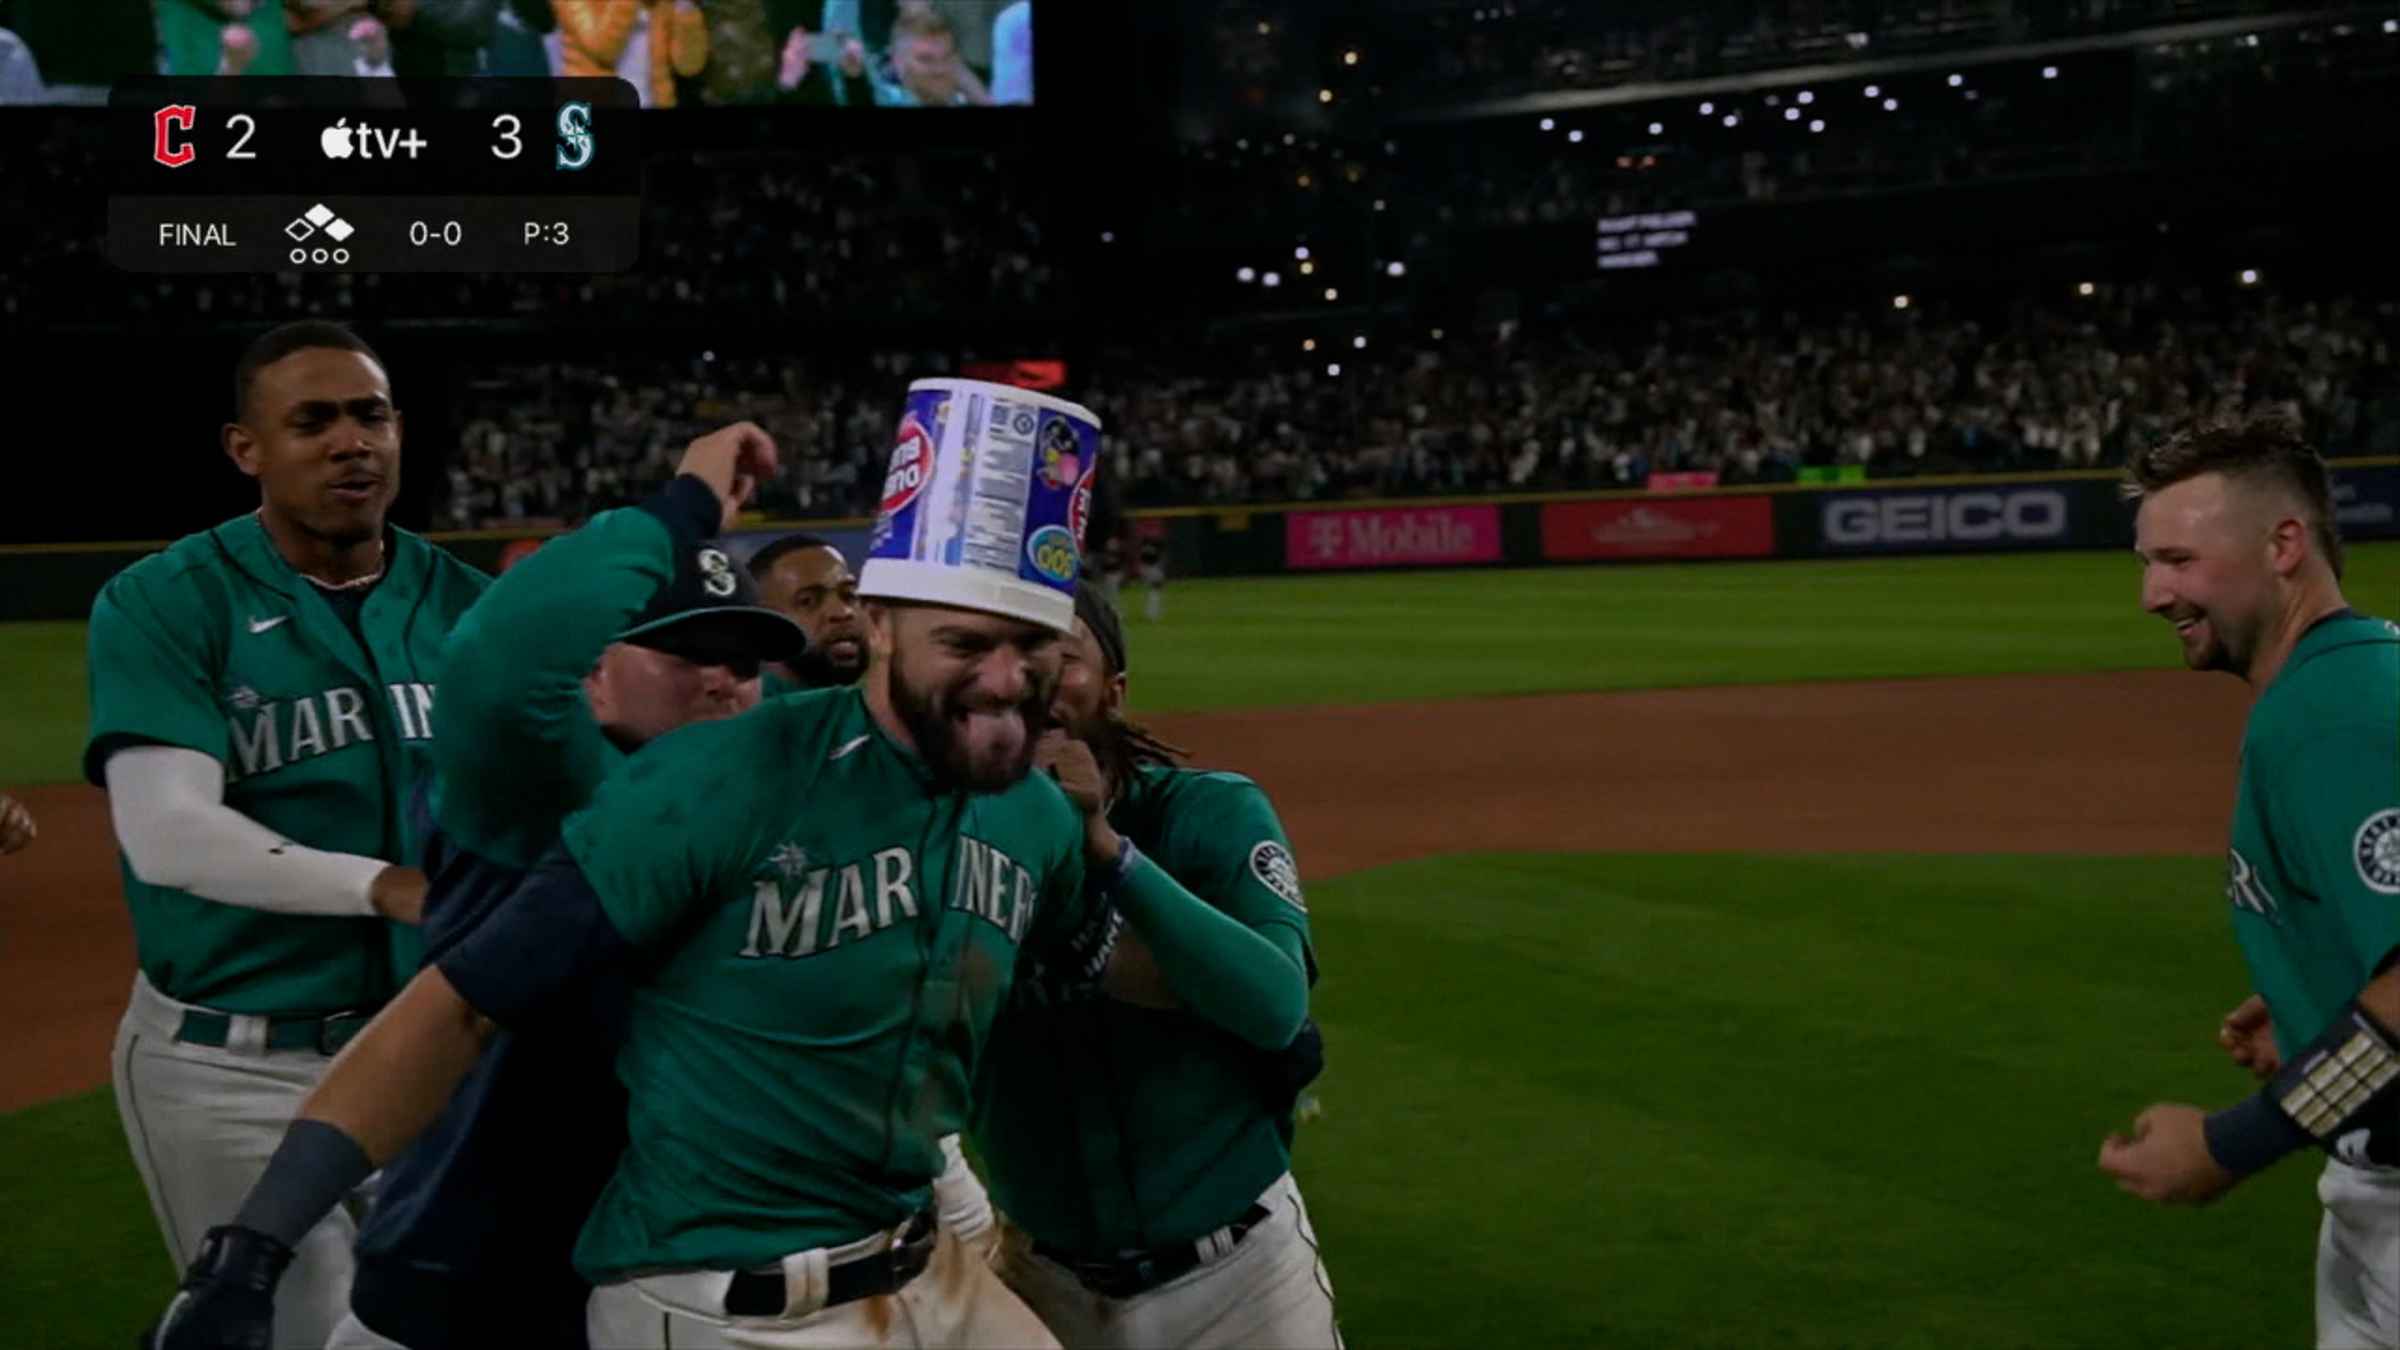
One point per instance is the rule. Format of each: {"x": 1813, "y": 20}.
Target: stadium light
{"x": 1575, "y": 137}
{"x": 2049, "y": 72}
{"x": 1658, "y": 128}
{"x": 2391, "y": 25}
{"x": 1271, "y": 280}
{"x": 1379, "y": 203}
{"x": 1308, "y": 344}
{"x": 1816, "y": 124}
{"x": 1324, "y": 96}
{"x": 708, "y": 356}
{"x": 1807, "y": 97}
{"x": 1300, "y": 252}
{"x": 1899, "y": 302}
{"x": 1549, "y": 124}
{"x": 1874, "y": 91}
{"x": 1957, "y": 80}
{"x": 1359, "y": 343}
{"x": 1304, "y": 180}
{"x": 1733, "y": 119}
{"x": 1891, "y": 105}
{"x": 1265, "y": 29}
{"x": 1308, "y": 269}
{"x": 1108, "y": 236}
{"x": 1349, "y": 58}
{"x": 1437, "y": 334}
{"x": 2249, "y": 276}
{"x": 1791, "y": 114}
{"x": 2083, "y": 288}
{"x": 1708, "y": 109}
{"x": 1332, "y": 295}
{"x": 1395, "y": 268}
{"x": 1246, "y": 275}
{"x": 1333, "y": 369}
{"x": 1288, "y": 138}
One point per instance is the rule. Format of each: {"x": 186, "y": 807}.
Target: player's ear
{"x": 2288, "y": 545}
{"x": 241, "y": 447}
{"x": 1116, "y": 694}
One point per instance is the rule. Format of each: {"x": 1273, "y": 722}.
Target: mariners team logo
{"x": 716, "y": 573}
{"x": 575, "y": 140}
{"x": 2377, "y": 851}
{"x": 1272, "y": 864}
{"x": 1051, "y": 550}
{"x": 1061, "y": 457}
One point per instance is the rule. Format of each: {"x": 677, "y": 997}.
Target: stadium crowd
{"x": 1751, "y": 397}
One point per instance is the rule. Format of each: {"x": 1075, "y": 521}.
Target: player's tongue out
{"x": 991, "y": 734}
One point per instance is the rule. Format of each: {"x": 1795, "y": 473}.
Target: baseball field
{"x": 1727, "y": 955}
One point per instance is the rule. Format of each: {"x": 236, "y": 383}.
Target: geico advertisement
{"x": 1938, "y": 518}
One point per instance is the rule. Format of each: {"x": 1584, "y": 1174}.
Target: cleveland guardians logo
{"x": 2376, "y": 849}
{"x": 1272, "y": 864}
{"x": 575, "y": 140}
{"x": 163, "y": 123}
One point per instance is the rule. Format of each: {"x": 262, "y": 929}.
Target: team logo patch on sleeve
{"x": 2377, "y": 851}
{"x": 1272, "y": 864}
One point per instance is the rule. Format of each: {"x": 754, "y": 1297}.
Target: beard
{"x": 980, "y": 747}
{"x": 818, "y": 669}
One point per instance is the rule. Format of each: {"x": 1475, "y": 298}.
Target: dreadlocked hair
{"x": 1128, "y": 746}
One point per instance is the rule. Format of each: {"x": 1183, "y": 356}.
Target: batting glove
{"x": 227, "y": 1299}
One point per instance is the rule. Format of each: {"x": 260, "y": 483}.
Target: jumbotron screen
{"x": 848, "y": 54}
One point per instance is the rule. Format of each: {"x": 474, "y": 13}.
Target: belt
{"x": 763, "y": 1293}
{"x": 1130, "y": 1273}
{"x": 326, "y": 1035}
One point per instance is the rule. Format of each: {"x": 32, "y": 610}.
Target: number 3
{"x": 516, "y": 146}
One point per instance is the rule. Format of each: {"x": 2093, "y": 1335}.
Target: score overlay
{"x": 307, "y": 174}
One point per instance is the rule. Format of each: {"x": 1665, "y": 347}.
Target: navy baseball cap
{"x": 712, "y": 607}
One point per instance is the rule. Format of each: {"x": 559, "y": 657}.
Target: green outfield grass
{"x": 1286, "y": 641}
{"x": 1659, "y": 1101}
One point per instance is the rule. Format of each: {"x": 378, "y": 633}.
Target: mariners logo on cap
{"x": 1272, "y": 864}
{"x": 2377, "y": 851}
{"x": 716, "y": 573}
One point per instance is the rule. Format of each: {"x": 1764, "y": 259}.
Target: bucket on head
{"x": 985, "y": 502}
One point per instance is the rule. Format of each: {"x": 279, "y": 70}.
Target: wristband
{"x": 2338, "y": 1083}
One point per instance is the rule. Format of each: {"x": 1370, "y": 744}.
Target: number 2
{"x": 516, "y": 145}
{"x": 249, "y": 126}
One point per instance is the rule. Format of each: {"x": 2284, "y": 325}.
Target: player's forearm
{"x": 381, "y": 1092}
{"x": 167, "y": 805}
{"x": 2382, "y": 994}
{"x": 1223, "y": 971}
{"x": 391, "y": 1082}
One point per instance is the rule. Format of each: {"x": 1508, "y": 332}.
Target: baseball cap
{"x": 711, "y": 606}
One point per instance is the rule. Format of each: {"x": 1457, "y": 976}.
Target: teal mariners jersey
{"x": 2314, "y": 871}
{"x": 521, "y": 750}
{"x": 825, "y": 936}
{"x": 1107, "y": 1127}
{"x": 322, "y": 720}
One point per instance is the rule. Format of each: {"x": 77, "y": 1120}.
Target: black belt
{"x": 1130, "y": 1273}
{"x": 762, "y": 1293}
{"x": 326, "y": 1035}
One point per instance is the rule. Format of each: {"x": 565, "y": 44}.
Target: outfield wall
{"x": 1982, "y": 514}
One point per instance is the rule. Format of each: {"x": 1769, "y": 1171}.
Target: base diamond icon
{"x": 320, "y": 217}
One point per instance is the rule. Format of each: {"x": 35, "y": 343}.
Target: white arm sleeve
{"x": 960, "y": 1201}
{"x": 169, "y": 808}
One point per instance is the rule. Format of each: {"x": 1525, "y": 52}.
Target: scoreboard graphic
{"x": 307, "y": 174}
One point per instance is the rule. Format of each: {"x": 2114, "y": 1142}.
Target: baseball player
{"x": 2241, "y": 554}
{"x": 809, "y": 580}
{"x": 605, "y": 639}
{"x": 262, "y": 700}
{"x": 16, "y": 825}
{"x": 1139, "y": 1135}
{"x": 1152, "y": 553}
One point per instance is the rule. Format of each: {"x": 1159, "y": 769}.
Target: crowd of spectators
{"x": 1749, "y": 396}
